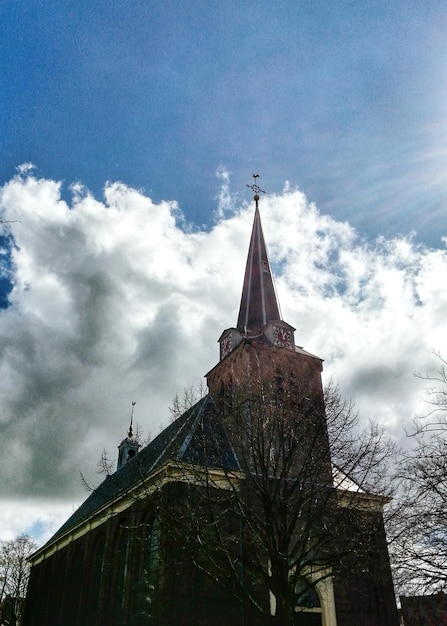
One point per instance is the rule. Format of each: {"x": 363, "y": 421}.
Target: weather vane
{"x": 256, "y": 189}
{"x": 131, "y": 419}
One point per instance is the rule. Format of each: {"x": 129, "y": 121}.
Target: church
{"x": 239, "y": 512}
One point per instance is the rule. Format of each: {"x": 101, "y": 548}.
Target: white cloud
{"x": 114, "y": 301}
{"x": 38, "y": 518}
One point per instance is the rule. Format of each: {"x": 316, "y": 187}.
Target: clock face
{"x": 226, "y": 345}
{"x": 282, "y": 337}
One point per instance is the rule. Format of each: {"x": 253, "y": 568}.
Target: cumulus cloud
{"x": 39, "y": 518}
{"x": 116, "y": 301}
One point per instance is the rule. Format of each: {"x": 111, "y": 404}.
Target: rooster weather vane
{"x": 255, "y": 187}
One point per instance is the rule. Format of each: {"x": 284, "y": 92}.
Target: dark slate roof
{"x": 196, "y": 436}
{"x": 259, "y": 304}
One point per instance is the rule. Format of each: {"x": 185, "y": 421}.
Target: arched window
{"x": 74, "y": 585}
{"x": 152, "y": 553}
{"x": 117, "y": 592}
{"x": 308, "y": 611}
{"x": 145, "y": 579}
{"x": 123, "y": 566}
{"x": 95, "y": 584}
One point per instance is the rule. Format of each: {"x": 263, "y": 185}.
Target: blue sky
{"x": 345, "y": 99}
{"x": 114, "y": 300}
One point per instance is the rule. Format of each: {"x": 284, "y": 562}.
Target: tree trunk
{"x": 284, "y": 615}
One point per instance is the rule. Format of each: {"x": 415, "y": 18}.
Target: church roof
{"x": 195, "y": 437}
{"x": 259, "y": 304}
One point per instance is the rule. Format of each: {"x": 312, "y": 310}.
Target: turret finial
{"x": 130, "y": 433}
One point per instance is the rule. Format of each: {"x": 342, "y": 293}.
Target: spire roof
{"x": 259, "y": 304}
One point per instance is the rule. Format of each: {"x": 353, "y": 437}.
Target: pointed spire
{"x": 259, "y": 304}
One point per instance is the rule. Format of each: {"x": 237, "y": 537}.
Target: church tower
{"x": 261, "y": 366}
{"x": 262, "y": 345}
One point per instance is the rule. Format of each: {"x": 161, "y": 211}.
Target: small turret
{"x": 128, "y": 448}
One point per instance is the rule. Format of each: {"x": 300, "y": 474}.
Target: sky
{"x": 128, "y": 135}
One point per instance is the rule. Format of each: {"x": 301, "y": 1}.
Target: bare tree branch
{"x": 418, "y": 526}
{"x": 14, "y": 573}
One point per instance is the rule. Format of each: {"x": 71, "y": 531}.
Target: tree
{"x": 14, "y": 573}
{"x": 276, "y": 493}
{"x": 419, "y": 523}
{"x": 191, "y": 395}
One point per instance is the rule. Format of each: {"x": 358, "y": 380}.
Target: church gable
{"x": 207, "y": 444}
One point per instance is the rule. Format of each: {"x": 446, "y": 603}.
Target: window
{"x": 308, "y": 611}
{"x": 152, "y": 553}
